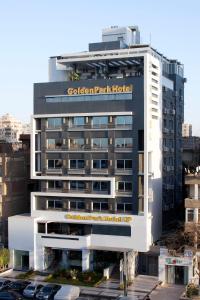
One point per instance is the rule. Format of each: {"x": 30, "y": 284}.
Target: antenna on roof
{"x": 150, "y": 38}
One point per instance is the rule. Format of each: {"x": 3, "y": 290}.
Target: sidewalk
{"x": 167, "y": 292}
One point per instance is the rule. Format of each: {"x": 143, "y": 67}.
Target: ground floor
{"x": 55, "y": 258}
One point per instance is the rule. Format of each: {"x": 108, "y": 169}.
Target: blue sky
{"x": 33, "y": 30}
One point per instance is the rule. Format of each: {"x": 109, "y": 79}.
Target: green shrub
{"x": 192, "y": 290}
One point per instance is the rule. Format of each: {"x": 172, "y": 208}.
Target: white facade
{"x": 186, "y": 130}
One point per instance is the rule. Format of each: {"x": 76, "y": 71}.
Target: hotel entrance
{"x": 176, "y": 274}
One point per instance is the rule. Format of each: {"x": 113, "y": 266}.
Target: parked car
{"x": 31, "y": 290}
{"x": 48, "y": 291}
{"x": 4, "y": 283}
{"x": 67, "y": 292}
{"x": 18, "y": 285}
{"x": 10, "y": 295}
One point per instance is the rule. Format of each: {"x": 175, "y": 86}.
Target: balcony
{"x": 123, "y": 171}
{"x": 99, "y": 171}
{"x": 53, "y": 171}
{"x": 76, "y": 171}
{"x": 192, "y": 179}
{"x": 192, "y": 203}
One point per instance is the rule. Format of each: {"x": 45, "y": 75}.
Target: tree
{"x": 4, "y": 258}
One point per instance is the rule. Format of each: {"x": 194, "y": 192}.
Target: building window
{"x": 77, "y": 164}
{"x": 124, "y": 164}
{"x": 78, "y": 121}
{"x": 41, "y": 228}
{"x": 77, "y": 185}
{"x": 123, "y": 120}
{"x": 100, "y": 164}
{"x": 190, "y": 215}
{"x": 124, "y": 186}
{"x": 53, "y": 144}
{"x": 124, "y": 207}
{"x": 77, "y": 205}
{"x": 100, "y": 206}
{"x": 54, "y": 163}
{"x": 99, "y": 122}
{"x": 100, "y": 143}
{"x": 77, "y": 144}
{"x": 54, "y": 204}
{"x": 100, "y": 186}
{"x": 54, "y": 123}
{"x": 55, "y": 184}
{"x": 123, "y": 142}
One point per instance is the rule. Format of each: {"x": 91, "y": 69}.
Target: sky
{"x": 33, "y": 30}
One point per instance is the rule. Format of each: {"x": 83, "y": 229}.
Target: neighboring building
{"x": 14, "y": 182}
{"x": 11, "y": 128}
{"x": 186, "y": 130}
{"x": 191, "y": 152}
{"x": 106, "y": 141}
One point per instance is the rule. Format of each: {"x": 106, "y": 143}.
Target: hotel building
{"x": 106, "y": 141}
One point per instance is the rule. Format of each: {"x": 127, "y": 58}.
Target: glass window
{"x": 124, "y": 207}
{"x": 54, "y": 122}
{"x": 54, "y": 144}
{"x": 100, "y": 121}
{"x": 100, "y": 143}
{"x": 77, "y": 205}
{"x": 100, "y": 164}
{"x": 100, "y": 186}
{"x": 54, "y": 163}
{"x": 55, "y": 204}
{"x": 100, "y": 206}
{"x": 124, "y": 164}
{"x": 124, "y": 186}
{"x": 77, "y": 164}
{"x": 73, "y": 204}
{"x": 41, "y": 227}
{"x": 190, "y": 215}
{"x": 96, "y": 206}
{"x": 55, "y": 184}
{"x": 123, "y": 142}
{"x": 77, "y": 185}
{"x": 104, "y": 206}
{"x": 78, "y": 121}
{"x": 123, "y": 120}
{"x": 77, "y": 143}
{"x": 81, "y": 205}
{"x": 128, "y": 164}
{"x": 51, "y": 164}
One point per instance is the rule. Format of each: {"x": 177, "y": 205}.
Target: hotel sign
{"x": 109, "y": 89}
{"x": 98, "y": 218}
{"x": 178, "y": 261}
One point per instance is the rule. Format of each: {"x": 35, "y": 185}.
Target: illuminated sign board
{"x": 98, "y": 218}
{"x": 100, "y": 90}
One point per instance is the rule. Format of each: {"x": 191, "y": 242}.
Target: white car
{"x": 67, "y": 292}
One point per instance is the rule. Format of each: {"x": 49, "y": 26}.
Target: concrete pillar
{"x": 65, "y": 261}
{"x": 196, "y": 191}
{"x": 131, "y": 265}
{"x": 85, "y": 260}
{"x": 196, "y": 215}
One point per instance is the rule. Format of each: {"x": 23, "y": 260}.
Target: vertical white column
{"x": 65, "y": 261}
{"x": 196, "y": 215}
{"x": 196, "y": 191}
{"x": 85, "y": 260}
